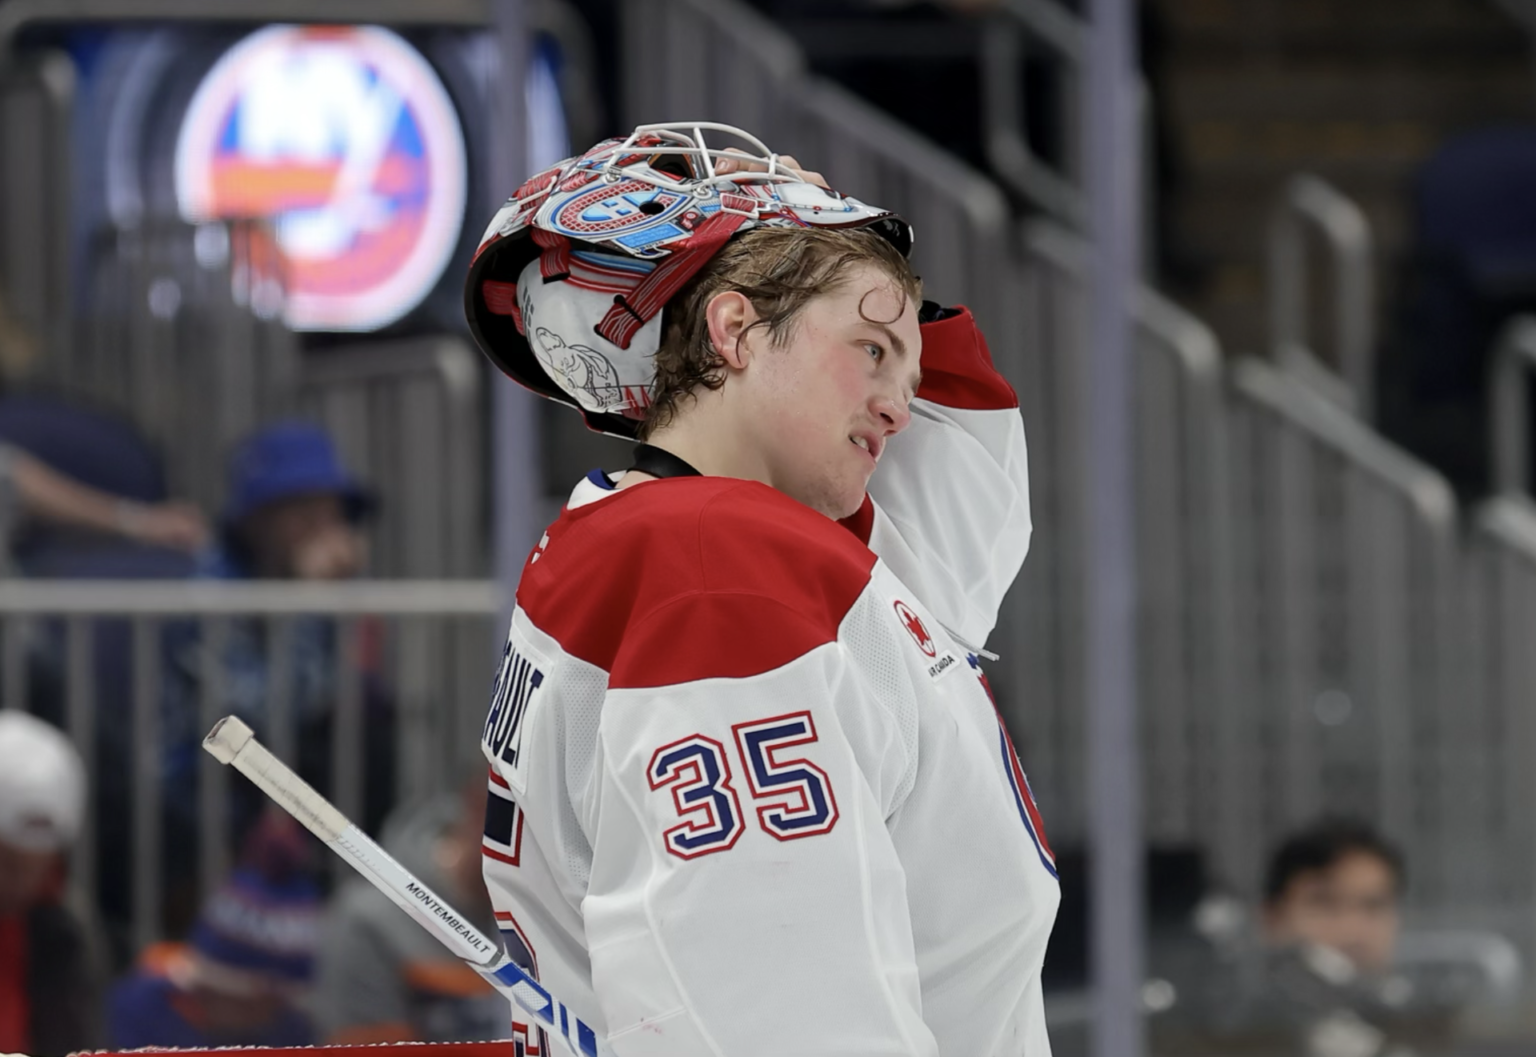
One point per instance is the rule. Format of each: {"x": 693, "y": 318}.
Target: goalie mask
{"x": 567, "y": 290}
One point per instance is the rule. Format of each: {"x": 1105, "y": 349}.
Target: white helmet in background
{"x": 567, "y": 289}
{"x": 42, "y": 784}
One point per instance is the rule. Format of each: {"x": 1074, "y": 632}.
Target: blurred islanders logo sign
{"x": 345, "y": 138}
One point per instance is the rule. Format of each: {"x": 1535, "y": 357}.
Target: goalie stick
{"x": 232, "y": 742}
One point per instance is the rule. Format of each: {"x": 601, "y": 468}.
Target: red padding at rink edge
{"x": 957, "y": 367}
{"x": 396, "y": 1049}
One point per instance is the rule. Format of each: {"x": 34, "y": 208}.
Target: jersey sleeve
{"x": 948, "y": 507}
{"x": 745, "y": 895}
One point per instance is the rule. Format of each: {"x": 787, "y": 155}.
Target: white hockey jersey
{"x": 749, "y": 791}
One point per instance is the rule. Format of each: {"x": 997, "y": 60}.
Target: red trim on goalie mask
{"x": 739, "y": 203}
{"x": 555, "y": 260}
{"x": 501, "y": 298}
{"x": 633, "y": 311}
{"x": 540, "y": 184}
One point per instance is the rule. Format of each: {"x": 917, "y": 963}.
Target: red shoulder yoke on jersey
{"x": 693, "y": 578}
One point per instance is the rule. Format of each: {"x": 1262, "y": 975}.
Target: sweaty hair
{"x": 1323, "y": 844}
{"x": 779, "y": 270}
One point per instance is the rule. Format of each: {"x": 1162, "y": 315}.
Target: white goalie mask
{"x": 567, "y": 290}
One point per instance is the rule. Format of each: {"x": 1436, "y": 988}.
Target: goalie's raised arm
{"x": 949, "y": 509}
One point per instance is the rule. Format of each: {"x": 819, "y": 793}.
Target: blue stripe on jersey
{"x": 1018, "y": 799}
{"x": 599, "y": 478}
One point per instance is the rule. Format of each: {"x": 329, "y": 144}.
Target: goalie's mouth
{"x": 871, "y": 444}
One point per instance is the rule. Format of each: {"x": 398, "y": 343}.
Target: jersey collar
{"x": 594, "y": 486}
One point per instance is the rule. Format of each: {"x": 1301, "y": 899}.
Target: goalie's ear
{"x": 730, "y": 314}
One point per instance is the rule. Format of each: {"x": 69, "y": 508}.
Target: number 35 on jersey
{"x": 792, "y": 796}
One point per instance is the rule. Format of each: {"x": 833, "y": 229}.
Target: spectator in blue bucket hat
{"x": 293, "y": 510}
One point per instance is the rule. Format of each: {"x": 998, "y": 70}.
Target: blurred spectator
{"x": 30, "y": 488}
{"x": 48, "y": 979}
{"x": 293, "y": 511}
{"x": 1322, "y": 982}
{"x": 1470, "y": 270}
{"x": 83, "y": 496}
{"x": 87, "y": 496}
{"x": 241, "y": 978}
{"x": 1337, "y": 886}
{"x": 384, "y": 979}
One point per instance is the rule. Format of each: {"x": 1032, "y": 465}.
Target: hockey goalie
{"x": 749, "y": 791}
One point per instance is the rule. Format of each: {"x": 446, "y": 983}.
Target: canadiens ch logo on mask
{"x": 939, "y": 661}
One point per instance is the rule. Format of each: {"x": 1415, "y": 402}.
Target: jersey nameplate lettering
{"x": 516, "y": 693}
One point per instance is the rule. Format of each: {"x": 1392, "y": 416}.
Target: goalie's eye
{"x": 876, "y": 352}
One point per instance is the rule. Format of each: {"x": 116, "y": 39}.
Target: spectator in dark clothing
{"x": 1323, "y": 979}
{"x": 29, "y": 488}
{"x": 380, "y": 979}
{"x": 241, "y": 978}
{"x": 48, "y": 979}
{"x": 293, "y": 512}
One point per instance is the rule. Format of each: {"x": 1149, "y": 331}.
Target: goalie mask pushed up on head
{"x": 566, "y": 292}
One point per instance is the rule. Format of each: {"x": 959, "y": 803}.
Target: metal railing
{"x": 1347, "y": 560}
{"x": 36, "y": 97}
{"x": 181, "y": 332}
{"x": 409, "y": 418}
{"x": 1497, "y": 615}
{"x": 1514, "y": 362}
{"x": 1013, "y": 31}
{"x": 392, "y": 675}
{"x": 1307, "y": 201}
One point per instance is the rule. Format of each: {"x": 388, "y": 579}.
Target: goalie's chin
{"x": 843, "y": 502}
